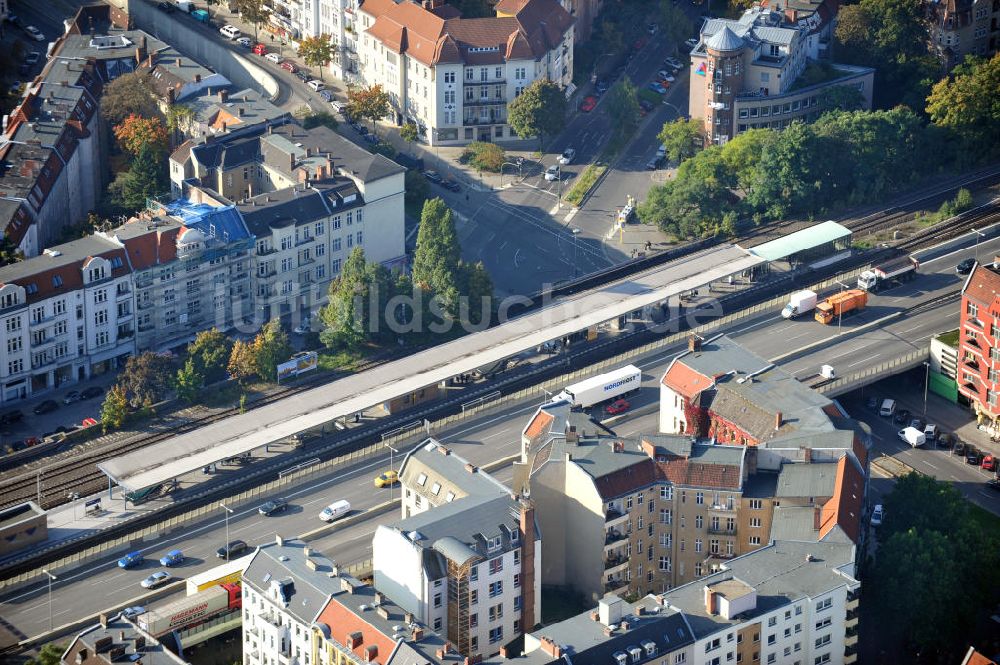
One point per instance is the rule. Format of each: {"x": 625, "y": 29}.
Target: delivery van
{"x": 335, "y": 510}
{"x": 913, "y": 436}
{"x": 888, "y": 408}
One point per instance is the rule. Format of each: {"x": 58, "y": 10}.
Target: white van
{"x": 888, "y": 407}
{"x": 913, "y": 436}
{"x": 335, "y": 510}
{"x": 230, "y": 31}
{"x": 931, "y": 432}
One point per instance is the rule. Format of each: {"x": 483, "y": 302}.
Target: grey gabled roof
{"x": 806, "y": 480}
{"x": 311, "y": 588}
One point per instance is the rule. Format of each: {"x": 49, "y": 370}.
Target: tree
{"x": 136, "y": 133}
{"x": 539, "y": 110}
{"x": 189, "y": 382}
{"x": 436, "y": 259}
{"x": 676, "y": 24}
{"x": 484, "y": 156}
{"x": 842, "y": 98}
{"x": 968, "y": 104}
{"x": 371, "y": 102}
{"x": 114, "y": 410}
{"x": 477, "y": 288}
{"x": 145, "y": 379}
{"x": 253, "y": 12}
{"x": 129, "y": 94}
{"x": 318, "y": 51}
{"x": 358, "y": 303}
{"x": 623, "y": 106}
{"x": 50, "y": 654}
{"x": 409, "y": 133}
{"x": 145, "y": 179}
{"x": 319, "y": 119}
{"x": 611, "y": 38}
{"x": 179, "y": 119}
{"x": 474, "y": 8}
{"x": 270, "y": 348}
{"x": 210, "y": 351}
{"x": 242, "y": 364}
{"x": 682, "y": 138}
{"x": 417, "y": 189}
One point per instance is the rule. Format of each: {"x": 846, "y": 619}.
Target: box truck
{"x": 898, "y": 269}
{"x": 602, "y": 387}
{"x": 191, "y": 610}
{"x": 799, "y": 302}
{"x": 825, "y": 375}
{"x": 841, "y": 303}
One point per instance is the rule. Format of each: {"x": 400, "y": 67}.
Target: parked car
{"x": 302, "y": 75}
{"x": 989, "y": 463}
{"x": 959, "y": 448}
{"x": 316, "y": 85}
{"x": 71, "y": 396}
{"x": 165, "y": 7}
{"x": 602, "y": 86}
{"x": 48, "y": 406}
{"x": 371, "y": 138}
{"x": 616, "y": 407}
{"x": 645, "y": 105}
{"x": 34, "y": 33}
{"x": 273, "y": 506}
{"x": 965, "y": 266}
{"x": 946, "y": 440}
{"x": 433, "y": 176}
{"x": 588, "y": 104}
{"x": 656, "y": 87}
{"x": 902, "y": 417}
{"x": 172, "y": 558}
{"x": 567, "y": 156}
{"x": 11, "y": 417}
{"x": 289, "y": 66}
{"x": 155, "y": 580}
{"x": 452, "y": 185}
{"x": 259, "y": 49}
{"x": 972, "y": 455}
{"x": 917, "y": 423}
{"x": 993, "y": 484}
{"x": 135, "y": 610}
{"x": 326, "y": 95}
{"x": 92, "y": 392}
{"x": 339, "y": 107}
{"x": 32, "y": 58}
{"x": 673, "y": 63}
{"x": 652, "y": 28}
{"x": 877, "y": 515}
{"x": 131, "y": 560}
{"x": 665, "y": 75}
{"x": 931, "y": 431}
{"x": 273, "y": 57}
{"x": 17, "y": 446}
{"x": 245, "y": 42}
{"x": 386, "y": 479}
{"x": 230, "y": 31}
{"x": 552, "y": 173}
{"x": 231, "y": 549}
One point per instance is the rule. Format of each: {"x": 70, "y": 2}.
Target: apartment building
{"x": 465, "y": 559}
{"x": 309, "y": 197}
{"x": 453, "y": 77}
{"x": 789, "y": 602}
{"x": 979, "y": 344}
{"x": 191, "y": 271}
{"x": 67, "y": 314}
{"x": 222, "y": 110}
{"x": 115, "y": 640}
{"x": 745, "y": 74}
{"x": 964, "y": 27}
{"x": 286, "y": 586}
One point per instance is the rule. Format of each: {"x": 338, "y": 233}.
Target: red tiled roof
{"x": 844, "y": 508}
{"x": 343, "y": 622}
{"x": 627, "y": 480}
{"x": 973, "y": 657}
{"x": 684, "y": 380}
{"x": 540, "y": 423}
{"x": 983, "y": 286}
{"x": 682, "y": 471}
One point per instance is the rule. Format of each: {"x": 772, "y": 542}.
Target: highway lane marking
{"x": 493, "y": 436}
{"x": 865, "y": 360}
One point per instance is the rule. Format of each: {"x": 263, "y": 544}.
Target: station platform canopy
{"x": 236, "y": 435}
{"x": 806, "y": 241}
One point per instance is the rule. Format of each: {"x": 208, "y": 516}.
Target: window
{"x": 517, "y": 580}
{"x": 13, "y": 345}
{"x": 473, "y": 620}
{"x": 517, "y": 602}
{"x": 697, "y": 545}
{"x": 496, "y": 588}
{"x": 496, "y": 634}
{"x": 336, "y": 222}
{"x": 756, "y": 504}
{"x": 496, "y": 565}
{"x": 13, "y": 324}
{"x": 755, "y": 540}
{"x": 449, "y": 77}
{"x": 699, "y": 498}
{"x": 772, "y": 622}
{"x": 473, "y": 596}
{"x": 699, "y": 521}
{"x": 336, "y": 244}
{"x": 437, "y": 599}
{"x": 335, "y": 266}
{"x": 319, "y": 229}
{"x": 824, "y": 623}
{"x": 713, "y": 645}
{"x": 665, "y": 564}
{"x": 422, "y": 479}
{"x": 100, "y": 317}
{"x": 437, "y": 623}
{"x": 824, "y": 604}
{"x": 972, "y": 310}
{"x": 286, "y": 242}
{"x": 665, "y": 516}
{"x": 15, "y": 366}
{"x": 667, "y": 492}
{"x": 436, "y": 489}
{"x": 825, "y": 658}
{"x": 360, "y": 238}
{"x": 772, "y": 638}
{"x": 822, "y": 641}
{"x": 496, "y": 612}
{"x": 755, "y": 522}
{"x": 102, "y": 338}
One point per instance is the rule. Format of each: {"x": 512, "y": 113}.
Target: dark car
{"x": 946, "y": 440}
{"x": 303, "y": 76}
{"x": 71, "y": 396}
{"x": 371, "y": 138}
{"x": 451, "y": 185}
{"x": 273, "y": 506}
{"x": 917, "y": 424}
{"x": 434, "y": 177}
{"x": 231, "y": 549}
{"x": 325, "y": 94}
{"x": 959, "y": 448}
{"x": 973, "y": 456}
{"x": 11, "y": 417}
{"x": 92, "y": 392}
{"x": 873, "y": 403}
{"x": 993, "y": 484}
{"x": 646, "y": 105}
{"x": 602, "y": 86}
{"x": 965, "y": 267}
{"x": 902, "y": 416}
{"x": 165, "y": 7}
{"x": 17, "y": 446}
{"x": 48, "y": 406}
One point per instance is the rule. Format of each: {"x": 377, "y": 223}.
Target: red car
{"x": 990, "y": 463}
{"x": 290, "y": 67}
{"x": 259, "y": 49}
{"x": 588, "y": 104}
{"x": 616, "y": 407}
{"x": 639, "y": 43}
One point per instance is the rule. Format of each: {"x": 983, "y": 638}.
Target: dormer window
{"x": 636, "y": 654}
{"x": 57, "y": 281}
{"x": 621, "y": 658}
{"x": 650, "y": 648}
{"x": 422, "y": 479}
{"x": 96, "y": 274}
{"x": 493, "y": 544}
{"x": 436, "y": 489}
{"x": 31, "y": 288}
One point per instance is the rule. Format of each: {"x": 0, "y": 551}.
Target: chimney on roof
{"x": 121, "y": 635}
{"x": 149, "y": 61}
{"x": 418, "y": 634}
{"x": 197, "y": 78}
{"x": 177, "y": 61}
{"x": 408, "y": 617}
{"x": 171, "y": 96}
{"x": 291, "y": 161}
{"x": 345, "y": 585}
{"x": 444, "y": 450}
{"x": 807, "y": 455}
{"x": 371, "y": 653}
{"x": 240, "y": 111}
{"x": 223, "y": 96}
{"x": 777, "y": 420}
{"x": 551, "y": 648}
{"x": 354, "y": 639}
{"x": 103, "y": 619}
{"x": 710, "y": 606}
{"x": 694, "y": 343}
{"x": 471, "y": 468}
{"x": 278, "y": 540}
{"x": 817, "y": 517}
{"x": 224, "y": 127}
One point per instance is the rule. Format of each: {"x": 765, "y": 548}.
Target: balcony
{"x": 468, "y": 122}
{"x": 723, "y": 507}
{"x": 614, "y": 585}
{"x": 852, "y": 632}
{"x": 722, "y": 531}
{"x": 851, "y": 651}
{"x": 854, "y": 595}
{"x": 613, "y": 536}
{"x": 614, "y": 563}
{"x": 614, "y": 516}
{"x": 852, "y": 614}
{"x": 484, "y": 102}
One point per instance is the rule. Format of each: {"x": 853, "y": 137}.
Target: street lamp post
{"x": 576, "y": 234}
{"x": 840, "y": 313}
{"x": 927, "y": 380}
{"x": 52, "y": 578}
{"x": 392, "y": 467}
{"x": 228, "y": 511}
{"x": 559, "y": 189}
{"x": 979, "y": 234}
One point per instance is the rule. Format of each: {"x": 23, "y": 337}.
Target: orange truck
{"x": 841, "y": 303}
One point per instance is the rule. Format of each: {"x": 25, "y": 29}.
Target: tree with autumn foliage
{"x": 371, "y": 103}
{"x": 136, "y": 132}
{"x": 317, "y": 51}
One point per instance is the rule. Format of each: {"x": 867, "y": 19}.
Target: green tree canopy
{"x": 254, "y": 12}
{"x": 242, "y": 364}
{"x": 417, "y": 190}
{"x": 318, "y": 51}
{"x": 540, "y": 110}
{"x": 437, "y": 256}
{"x": 682, "y": 138}
{"x": 114, "y": 409}
{"x": 145, "y": 379}
{"x": 50, "y": 654}
{"x": 188, "y": 382}
{"x": 968, "y": 104}
{"x": 210, "y": 352}
{"x": 623, "y": 106}
{"x": 409, "y": 133}
{"x": 676, "y": 24}
{"x": 483, "y": 156}
{"x": 371, "y": 103}
{"x": 129, "y": 94}
{"x": 270, "y": 349}
{"x": 145, "y": 179}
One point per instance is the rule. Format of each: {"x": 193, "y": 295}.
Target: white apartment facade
{"x": 454, "y": 77}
